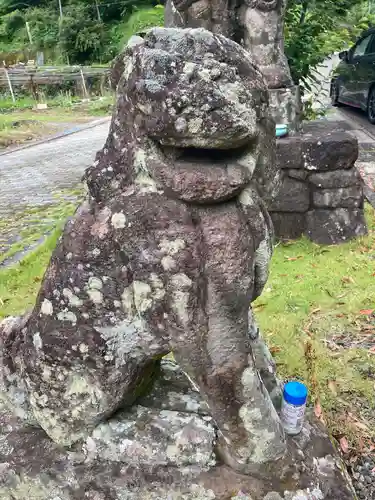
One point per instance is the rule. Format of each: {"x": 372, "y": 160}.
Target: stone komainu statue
{"x": 255, "y": 24}
{"x": 165, "y": 255}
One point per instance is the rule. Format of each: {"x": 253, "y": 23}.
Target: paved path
{"x": 32, "y": 175}
{"x": 40, "y": 187}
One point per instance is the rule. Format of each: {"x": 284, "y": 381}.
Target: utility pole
{"x": 98, "y": 11}
{"x": 60, "y": 8}
{"x": 29, "y": 33}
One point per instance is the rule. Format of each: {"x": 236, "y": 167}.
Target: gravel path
{"x": 364, "y": 478}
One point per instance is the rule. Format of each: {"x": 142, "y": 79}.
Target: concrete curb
{"x": 64, "y": 133}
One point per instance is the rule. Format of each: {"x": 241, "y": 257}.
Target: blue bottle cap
{"x": 295, "y": 393}
{"x": 281, "y": 130}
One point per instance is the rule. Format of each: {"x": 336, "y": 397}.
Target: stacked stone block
{"x": 321, "y": 194}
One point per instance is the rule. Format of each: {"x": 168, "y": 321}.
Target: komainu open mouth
{"x": 202, "y": 175}
{"x": 204, "y": 156}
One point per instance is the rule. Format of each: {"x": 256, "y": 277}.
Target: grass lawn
{"x": 318, "y": 315}
{"x": 317, "y": 312}
{"x": 25, "y": 229}
{"x": 19, "y": 122}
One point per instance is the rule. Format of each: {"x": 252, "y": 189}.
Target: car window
{"x": 370, "y": 49}
{"x": 361, "y": 47}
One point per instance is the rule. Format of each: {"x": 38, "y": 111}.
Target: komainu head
{"x": 191, "y": 111}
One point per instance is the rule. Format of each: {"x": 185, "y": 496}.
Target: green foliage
{"x": 314, "y": 29}
{"x": 141, "y": 20}
{"x": 83, "y": 35}
{"x": 43, "y": 22}
{"x": 119, "y": 33}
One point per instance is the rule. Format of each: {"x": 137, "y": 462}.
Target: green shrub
{"x": 316, "y": 29}
{"x": 141, "y": 20}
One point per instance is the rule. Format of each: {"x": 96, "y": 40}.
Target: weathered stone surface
{"x": 300, "y": 175}
{"x": 143, "y": 437}
{"x": 257, "y": 23}
{"x": 349, "y": 197}
{"x": 329, "y": 151}
{"x": 141, "y": 271}
{"x": 293, "y": 196}
{"x": 285, "y": 106}
{"x": 153, "y": 454}
{"x": 330, "y": 227}
{"x": 258, "y": 26}
{"x": 191, "y": 180}
{"x": 216, "y": 15}
{"x": 262, "y": 22}
{"x": 162, "y": 455}
{"x": 13, "y": 390}
{"x": 289, "y": 152}
{"x": 318, "y": 150}
{"x": 288, "y": 225}
{"x": 172, "y": 391}
{"x": 335, "y": 179}
{"x": 325, "y": 126}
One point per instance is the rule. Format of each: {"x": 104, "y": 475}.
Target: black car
{"x": 354, "y": 78}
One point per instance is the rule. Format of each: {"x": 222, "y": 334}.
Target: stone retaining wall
{"x": 321, "y": 194}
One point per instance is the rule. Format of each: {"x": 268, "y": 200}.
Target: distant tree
{"x": 94, "y": 30}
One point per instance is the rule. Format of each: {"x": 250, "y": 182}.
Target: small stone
{"x": 118, "y": 220}
{"x": 46, "y": 307}
{"x": 273, "y": 495}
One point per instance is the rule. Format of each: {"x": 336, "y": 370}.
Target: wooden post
{"x": 9, "y": 83}
{"x": 83, "y": 82}
{"x": 33, "y": 89}
{"x": 102, "y": 84}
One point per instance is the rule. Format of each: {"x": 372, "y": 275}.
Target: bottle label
{"x": 292, "y": 416}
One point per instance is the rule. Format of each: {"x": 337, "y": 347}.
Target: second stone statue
{"x": 255, "y": 24}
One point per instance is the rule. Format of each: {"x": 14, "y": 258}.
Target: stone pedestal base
{"x": 285, "y": 106}
{"x": 321, "y": 194}
{"x": 162, "y": 449}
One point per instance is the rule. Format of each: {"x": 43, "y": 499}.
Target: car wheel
{"x": 371, "y": 106}
{"x": 335, "y": 94}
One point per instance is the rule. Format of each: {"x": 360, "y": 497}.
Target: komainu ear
{"x": 119, "y": 63}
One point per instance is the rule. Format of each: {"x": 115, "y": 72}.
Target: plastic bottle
{"x": 293, "y": 407}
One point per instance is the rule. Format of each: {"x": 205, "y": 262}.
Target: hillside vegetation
{"x": 93, "y": 31}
